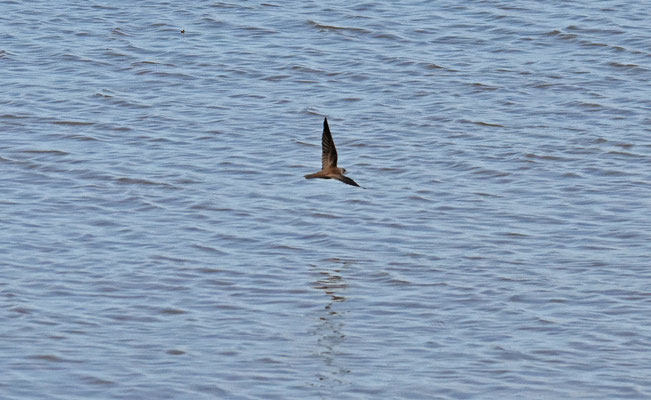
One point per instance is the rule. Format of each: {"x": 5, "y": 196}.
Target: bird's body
{"x": 329, "y": 169}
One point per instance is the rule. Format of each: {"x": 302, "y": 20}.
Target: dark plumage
{"x": 329, "y": 169}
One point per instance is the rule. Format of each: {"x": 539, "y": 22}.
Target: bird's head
{"x": 343, "y": 170}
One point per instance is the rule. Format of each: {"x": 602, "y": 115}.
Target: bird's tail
{"x": 315, "y": 175}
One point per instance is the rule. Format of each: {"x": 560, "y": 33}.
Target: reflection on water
{"x": 329, "y": 328}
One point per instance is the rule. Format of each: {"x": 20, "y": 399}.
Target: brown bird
{"x": 329, "y": 169}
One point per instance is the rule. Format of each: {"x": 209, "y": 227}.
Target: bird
{"x": 329, "y": 169}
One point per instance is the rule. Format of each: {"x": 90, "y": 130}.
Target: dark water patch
{"x": 73, "y": 123}
{"x": 627, "y": 67}
{"x": 82, "y": 138}
{"x": 96, "y": 381}
{"x": 489, "y": 172}
{"x": 119, "y": 32}
{"x": 561, "y": 35}
{"x": 172, "y": 311}
{"x": 484, "y": 87}
{"x": 141, "y": 181}
{"x": 49, "y": 152}
{"x": 550, "y": 157}
{"x": 481, "y": 123}
{"x": 433, "y": 66}
{"x": 624, "y": 145}
{"x": 53, "y": 358}
{"x": 334, "y": 28}
{"x": 208, "y": 249}
{"x": 627, "y": 154}
{"x": 274, "y": 78}
{"x": 13, "y": 116}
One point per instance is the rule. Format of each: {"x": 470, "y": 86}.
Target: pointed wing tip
{"x": 349, "y": 181}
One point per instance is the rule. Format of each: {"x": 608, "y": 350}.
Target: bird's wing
{"x": 329, "y": 155}
{"x": 347, "y": 180}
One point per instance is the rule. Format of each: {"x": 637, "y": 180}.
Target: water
{"x": 159, "y": 240}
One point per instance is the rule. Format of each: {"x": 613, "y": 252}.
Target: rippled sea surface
{"x": 158, "y": 239}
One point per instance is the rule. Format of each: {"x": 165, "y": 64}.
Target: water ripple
{"x": 159, "y": 239}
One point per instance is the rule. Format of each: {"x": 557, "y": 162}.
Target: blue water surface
{"x": 158, "y": 239}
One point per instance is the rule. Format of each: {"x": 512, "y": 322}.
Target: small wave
{"x": 119, "y": 32}
{"x": 561, "y": 35}
{"x": 140, "y": 181}
{"x": 82, "y": 138}
{"x": 516, "y": 234}
{"x": 172, "y": 311}
{"x": 55, "y": 152}
{"x": 615, "y": 64}
{"x": 73, "y": 123}
{"x": 209, "y": 249}
{"x": 93, "y": 380}
{"x": 52, "y": 358}
{"x": 491, "y": 172}
{"x": 482, "y": 123}
{"x": 548, "y": 157}
{"x": 337, "y": 28}
{"x": 483, "y": 86}
{"x": 626, "y": 154}
{"x": 13, "y": 116}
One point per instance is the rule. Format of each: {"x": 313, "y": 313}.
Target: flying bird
{"x": 329, "y": 169}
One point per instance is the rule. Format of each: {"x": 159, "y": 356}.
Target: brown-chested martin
{"x": 329, "y": 169}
